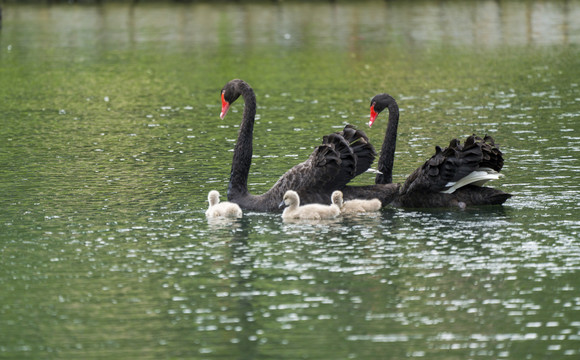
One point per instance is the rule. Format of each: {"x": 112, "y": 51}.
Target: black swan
{"x": 451, "y": 177}
{"x": 339, "y": 158}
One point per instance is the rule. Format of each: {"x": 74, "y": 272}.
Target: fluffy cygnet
{"x": 355, "y": 206}
{"x": 221, "y": 209}
{"x": 306, "y": 212}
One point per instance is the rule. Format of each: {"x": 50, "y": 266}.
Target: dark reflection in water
{"x": 242, "y": 265}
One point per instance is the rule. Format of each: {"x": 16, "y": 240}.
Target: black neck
{"x": 243, "y": 150}
{"x": 388, "y": 149}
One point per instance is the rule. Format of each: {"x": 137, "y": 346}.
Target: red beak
{"x": 374, "y": 115}
{"x": 225, "y": 107}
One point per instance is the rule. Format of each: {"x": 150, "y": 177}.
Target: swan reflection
{"x": 313, "y": 221}
{"x": 224, "y": 223}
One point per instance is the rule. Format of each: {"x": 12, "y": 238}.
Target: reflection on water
{"x": 111, "y": 141}
{"x": 487, "y": 23}
{"x": 312, "y": 221}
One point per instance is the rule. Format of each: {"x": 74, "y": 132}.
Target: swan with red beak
{"x": 332, "y": 164}
{"x": 379, "y": 103}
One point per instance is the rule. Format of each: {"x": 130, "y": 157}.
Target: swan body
{"x": 332, "y": 164}
{"x": 223, "y": 209}
{"x": 452, "y": 177}
{"x": 307, "y": 212}
{"x": 355, "y": 206}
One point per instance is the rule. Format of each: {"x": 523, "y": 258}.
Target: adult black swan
{"x": 452, "y": 177}
{"x": 339, "y": 158}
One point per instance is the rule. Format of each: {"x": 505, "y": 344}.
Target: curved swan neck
{"x": 243, "y": 150}
{"x": 295, "y": 204}
{"x": 387, "y": 157}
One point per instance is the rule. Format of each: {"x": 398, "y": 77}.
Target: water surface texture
{"x": 111, "y": 139}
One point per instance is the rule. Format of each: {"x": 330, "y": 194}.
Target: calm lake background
{"x": 111, "y": 139}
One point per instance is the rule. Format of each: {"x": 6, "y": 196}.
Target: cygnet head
{"x": 336, "y": 198}
{"x": 291, "y": 197}
{"x": 213, "y": 197}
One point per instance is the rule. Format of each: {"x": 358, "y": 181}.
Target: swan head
{"x": 230, "y": 93}
{"x": 213, "y": 197}
{"x": 379, "y": 103}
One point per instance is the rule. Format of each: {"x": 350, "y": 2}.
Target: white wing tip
{"x": 477, "y": 178}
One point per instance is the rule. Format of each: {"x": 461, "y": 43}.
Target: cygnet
{"x": 306, "y": 212}
{"x": 221, "y": 209}
{"x": 355, "y": 206}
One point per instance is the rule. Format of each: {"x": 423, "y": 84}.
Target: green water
{"x": 111, "y": 139}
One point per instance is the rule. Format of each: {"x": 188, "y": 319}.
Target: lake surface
{"x": 111, "y": 140}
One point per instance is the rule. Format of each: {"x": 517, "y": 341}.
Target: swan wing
{"x": 361, "y": 147}
{"x": 332, "y": 165}
{"x": 311, "y": 179}
{"x": 492, "y": 156}
{"x": 356, "y": 156}
{"x": 449, "y": 167}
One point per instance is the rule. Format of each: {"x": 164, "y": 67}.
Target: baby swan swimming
{"x": 306, "y": 212}
{"x": 355, "y": 206}
{"x": 224, "y": 209}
